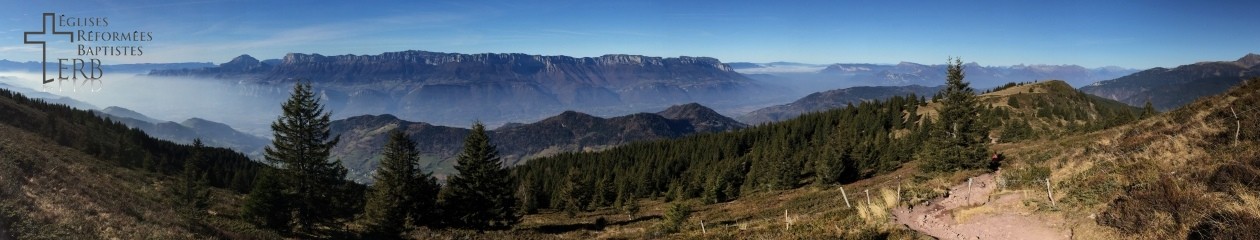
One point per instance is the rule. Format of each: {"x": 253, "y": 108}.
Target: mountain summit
{"x": 1250, "y": 61}
{"x": 703, "y": 118}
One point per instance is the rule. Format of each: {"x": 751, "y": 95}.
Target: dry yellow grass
{"x": 1172, "y": 154}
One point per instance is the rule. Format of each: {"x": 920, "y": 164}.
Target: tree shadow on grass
{"x": 564, "y": 228}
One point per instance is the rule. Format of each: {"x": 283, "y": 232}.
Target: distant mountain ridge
{"x": 808, "y": 78}
{"x": 908, "y": 73}
{"x": 1167, "y": 89}
{"x": 211, "y": 133}
{"x": 33, "y": 66}
{"x": 453, "y": 88}
{"x": 363, "y": 136}
{"x": 832, "y": 99}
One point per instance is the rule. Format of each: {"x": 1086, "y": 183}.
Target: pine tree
{"x": 630, "y": 206}
{"x": 957, "y": 140}
{"x": 527, "y": 193}
{"x": 423, "y": 192}
{"x": 575, "y": 193}
{"x": 397, "y": 179}
{"x": 1148, "y": 110}
{"x": 833, "y": 166}
{"x": 300, "y": 151}
{"x": 480, "y": 195}
{"x": 266, "y": 204}
{"x": 675, "y": 215}
{"x": 195, "y": 193}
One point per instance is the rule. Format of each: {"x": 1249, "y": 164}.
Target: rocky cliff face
{"x": 454, "y": 89}
{"x": 1171, "y": 88}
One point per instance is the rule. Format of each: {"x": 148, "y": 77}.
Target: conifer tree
{"x": 630, "y": 206}
{"x": 423, "y": 192}
{"x": 480, "y": 195}
{"x": 575, "y": 193}
{"x": 266, "y": 204}
{"x": 675, "y": 215}
{"x": 1148, "y": 110}
{"x": 957, "y": 140}
{"x": 195, "y": 193}
{"x": 401, "y": 193}
{"x": 527, "y": 193}
{"x": 300, "y": 152}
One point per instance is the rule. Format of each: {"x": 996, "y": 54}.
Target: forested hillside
{"x": 836, "y": 146}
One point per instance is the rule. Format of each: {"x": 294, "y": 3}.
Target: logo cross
{"x": 48, "y": 17}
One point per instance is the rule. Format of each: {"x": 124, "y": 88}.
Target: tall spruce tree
{"x": 957, "y": 140}
{"x": 575, "y": 194}
{"x": 195, "y": 193}
{"x": 423, "y": 191}
{"x": 300, "y": 152}
{"x": 389, "y": 200}
{"x": 480, "y": 196}
{"x": 266, "y": 205}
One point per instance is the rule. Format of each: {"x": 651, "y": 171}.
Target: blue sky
{"x": 1089, "y": 33}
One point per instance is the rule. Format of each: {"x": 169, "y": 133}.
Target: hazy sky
{"x": 1138, "y": 34}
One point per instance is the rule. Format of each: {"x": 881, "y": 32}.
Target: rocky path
{"x": 978, "y": 214}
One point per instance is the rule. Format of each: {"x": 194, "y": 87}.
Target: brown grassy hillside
{"x": 1176, "y": 175}
{"x": 52, "y": 192}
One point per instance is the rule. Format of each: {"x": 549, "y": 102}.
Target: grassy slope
{"x": 50, "y": 191}
{"x": 1163, "y": 177}
{"x": 814, "y": 212}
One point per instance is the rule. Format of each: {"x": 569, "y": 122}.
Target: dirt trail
{"x": 979, "y": 215}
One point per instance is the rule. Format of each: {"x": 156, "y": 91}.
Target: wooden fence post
{"x": 1237, "y": 124}
{"x": 968, "y": 192}
{"x": 702, "y": 229}
{"x": 1049, "y": 192}
{"x": 899, "y": 190}
{"x": 868, "y": 198}
{"x": 787, "y": 223}
{"x": 846, "y": 198}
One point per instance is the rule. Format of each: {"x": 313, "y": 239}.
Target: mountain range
{"x": 454, "y": 89}
{"x": 33, "y": 66}
{"x": 1167, "y": 89}
{"x": 363, "y": 136}
{"x": 842, "y": 75}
